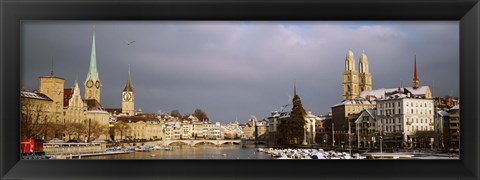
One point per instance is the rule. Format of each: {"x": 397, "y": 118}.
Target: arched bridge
{"x": 205, "y": 141}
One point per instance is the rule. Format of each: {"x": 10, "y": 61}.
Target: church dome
{"x": 349, "y": 54}
{"x": 363, "y": 57}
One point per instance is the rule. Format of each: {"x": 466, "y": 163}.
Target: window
{"x": 411, "y": 111}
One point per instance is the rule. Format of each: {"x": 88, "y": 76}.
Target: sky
{"x": 235, "y": 69}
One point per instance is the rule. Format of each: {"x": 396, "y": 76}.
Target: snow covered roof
{"x": 442, "y": 113}
{"x": 379, "y": 93}
{"x": 34, "y": 95}
{"x": 419, "y": 91}
{"x": 394, "y": 96}
{"x": 98, "y": 111}
{"x": 370, "y": 112}
{"x": 310, "y": 115}
{"x": 354, "y": 101}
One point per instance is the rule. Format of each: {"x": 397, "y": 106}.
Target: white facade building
{"x": 402, "y": 114}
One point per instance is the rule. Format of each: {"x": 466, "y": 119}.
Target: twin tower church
{"x": 357, "y": 84}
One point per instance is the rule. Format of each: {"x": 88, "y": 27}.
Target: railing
{"x": 73, "y": 148}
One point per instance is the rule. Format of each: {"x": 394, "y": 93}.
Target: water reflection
{"x": 205, "y": 151}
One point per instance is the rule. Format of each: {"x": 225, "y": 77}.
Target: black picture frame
{"x": 13, "y": 12}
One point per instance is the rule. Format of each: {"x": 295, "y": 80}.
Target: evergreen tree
{"x": 291, "y": 130}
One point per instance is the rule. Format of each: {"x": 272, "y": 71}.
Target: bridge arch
{"x": 176, "y": 142}
{"x": 203, "y": 142}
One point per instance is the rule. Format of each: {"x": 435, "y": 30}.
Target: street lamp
{"x": 381, "y": 153}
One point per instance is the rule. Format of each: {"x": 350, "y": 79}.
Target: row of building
{"x": 53, "y": 103}
{"x": 403, "y": 117}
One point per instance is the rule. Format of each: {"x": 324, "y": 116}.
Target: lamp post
{"x": 381, "y": 153}
{"x": 88, "y": 138}
{"x": 349, "y": 137}
{"x": 333, "y": 135}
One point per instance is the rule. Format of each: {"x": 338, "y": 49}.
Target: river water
{"x": 206, "y": 151}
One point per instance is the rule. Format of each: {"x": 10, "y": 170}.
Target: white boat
{"x": 142, "y": 149}
{"x": 283, "y": 156}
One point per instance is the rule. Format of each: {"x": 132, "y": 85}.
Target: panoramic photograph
{"x": 305, "y": 90}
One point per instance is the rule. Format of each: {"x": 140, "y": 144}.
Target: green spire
{"x": 92, "y": 72}
{"x": 128, "y": 85}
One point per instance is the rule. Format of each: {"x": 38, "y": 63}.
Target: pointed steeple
{"x": 415, "y": 75}
{"x": 76, "y": 89}
{"x": 128, "y": 85}
{"x": 92, "y": 72}
{"x": 294, "y": 88}
{"x": 51, "y": 72}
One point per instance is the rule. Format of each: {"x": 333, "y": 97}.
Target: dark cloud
{"x": 238, "y": 69}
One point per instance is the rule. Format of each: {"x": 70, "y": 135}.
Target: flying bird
{"x": 129, "y": 42}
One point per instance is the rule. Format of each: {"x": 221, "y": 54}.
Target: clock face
{"x": 97, "y": 84}
{"x": 59, "y": 91}
{"x": 89, "y": 83}
{"x": 127, "y": 96}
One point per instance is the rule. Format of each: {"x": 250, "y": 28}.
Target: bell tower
{"x": 350, "y": 78}
{"x": 128, "y": 96}
{"x": 364, "y": 75}
{"x": 92, "y": 83}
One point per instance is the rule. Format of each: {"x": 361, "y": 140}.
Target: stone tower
{"x": 128, "y": 96}
{"x": 53, "y": 87}
{"x": 92, "y": 83}
{"x": 364, "y": 75}
{"x": 350, "y": 78}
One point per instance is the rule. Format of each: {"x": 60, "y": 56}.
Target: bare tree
{"x": 97, "y": 129}
{"x": 33, "y": 119}
{"x": 122, "y": 128}
{"x": 53, "y": 130}
{"x": 176, "y": 113}
{"x": 75, "y": 129}
{"x": 200, "y": 114}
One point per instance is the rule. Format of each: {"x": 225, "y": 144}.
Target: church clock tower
{"x": 350, "y": 78}
{"x": 92, "y": 83}
{"x": 128, "y": 96}
{"x": 364, "y": 75}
